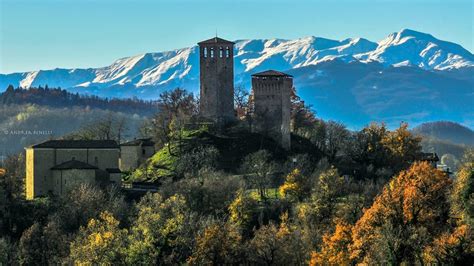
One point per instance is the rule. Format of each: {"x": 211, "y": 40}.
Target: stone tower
{"x": 272, "y": 105}
{"x": 216, "y": 59}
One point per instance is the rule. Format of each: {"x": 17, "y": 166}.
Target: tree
{"x": 411, "y": 210}
{"x": 101, "y": 242}
{"x": 336, "y": 137}
{"x": 463, "y": 190}
{"x": 12, "y": 177}
{"x": 190, "y": 163}
{"x": 43, "y": 244}
{"x": 107, "y": 127}
{"x": 276, "y": 245}
{"x": 86, "y": 202}
{"x": 158, "y": 232}
{"x": 315, "y": 214}
{"x": 176, "y": 108}
{"x": 403, "y": 146}
{"x": 243, "y": 212}
{"x": 301, "y": 115}
{"x": 259, "y": 168}
{"x": 241, "y": 101}
{"x": 218, "y": 244}
{"x": 334, "y": 250}
{"x": 454, "y": 248}
{"x": 293, "y": 186}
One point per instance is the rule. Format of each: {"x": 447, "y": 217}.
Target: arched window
{"x": 221, "y": 52}
{"x": 205, "y": 52}
{"x": 212, "y": 52}
{"x": 227, "y": 52}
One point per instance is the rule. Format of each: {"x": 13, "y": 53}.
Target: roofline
{"x": 260, "y": 74}
{"x": 69, "y": 148}
{"x": 215, "y": 38}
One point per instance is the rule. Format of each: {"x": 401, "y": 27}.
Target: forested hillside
{"x": 34, "y": 115}
{"x": 227, "y": 196}
{"x": 59, "y": 98}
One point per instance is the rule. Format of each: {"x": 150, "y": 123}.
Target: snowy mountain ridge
{"x": 180, "y": 67}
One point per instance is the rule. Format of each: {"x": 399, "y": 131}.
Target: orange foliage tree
{"x": 335, "y": 247}
{"x": 411, "y": 210}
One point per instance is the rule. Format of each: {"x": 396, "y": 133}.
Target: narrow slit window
{"x": 205, "y": 52}
{"x": 227, "y": 52}
{"x": 212, "y": 52}
{"x": 221, "y": 52}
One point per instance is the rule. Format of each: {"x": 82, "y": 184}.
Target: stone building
{"x": 216, "y": 59}
{"x": 271, "y": 92}
{"x": 135, "y": 152}
{"x": 55, "y": 166}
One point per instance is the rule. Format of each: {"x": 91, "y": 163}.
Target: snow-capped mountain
{"x": 147, "y": 74}
{"x": 409, "y": 76}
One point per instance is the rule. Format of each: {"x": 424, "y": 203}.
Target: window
{"x": 227, "y": 52}
{"x": 221, "y": 52}
{"x": 96, "y": 161}
{"x": 143, "y": 151}
{"x": 212, "y": 52}
{"x": 205, "y": 52}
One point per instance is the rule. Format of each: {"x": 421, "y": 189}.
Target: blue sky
{"x": 45, "y": 34}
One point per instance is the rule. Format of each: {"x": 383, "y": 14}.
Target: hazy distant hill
{"x": 447, "y": 131}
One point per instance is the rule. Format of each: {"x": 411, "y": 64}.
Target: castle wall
{"x": 217, "y": 81}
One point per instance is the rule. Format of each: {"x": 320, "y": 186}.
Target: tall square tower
{"x": 216, "y": 59}
{"x": 272, "y": 105}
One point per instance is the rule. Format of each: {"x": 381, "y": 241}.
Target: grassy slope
{"x": 233, "y": 147}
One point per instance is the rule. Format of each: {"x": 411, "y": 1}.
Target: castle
{"x": 56, "y": 166}
{"x": 271, "y": 92}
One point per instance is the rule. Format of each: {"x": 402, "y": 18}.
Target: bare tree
{"x": 241, "y": 101}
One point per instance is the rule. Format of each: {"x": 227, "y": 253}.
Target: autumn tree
{"x": 411, "y": 210}
{"x": 294, "y": 186}
{"x": 277, "y": 245}
{"x": 451, "y": 248}
{"x": 315, "y": 214}
{"x": 404, "y": 147}
{"x": 243, "y": 211}
{"x": 218, "y": 244}
{"x": 463, "y": 190}
{"x": 159, "y": 231}
{"x": 334, "y": 249}
{"x": 102, "y": 242}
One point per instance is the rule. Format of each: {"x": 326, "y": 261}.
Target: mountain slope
{"x": 406, "y": 47}
{"x": 447, "y": 131}
{"x": 409, "y": 76}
